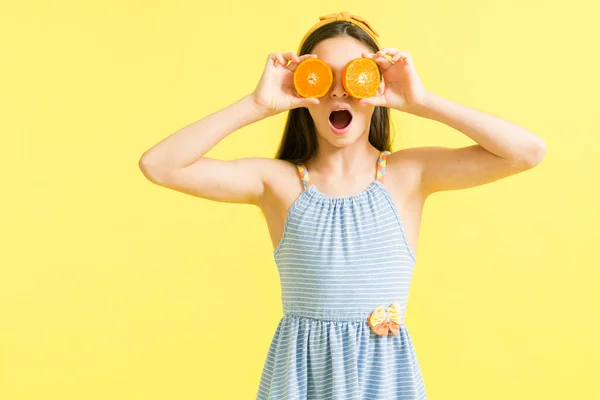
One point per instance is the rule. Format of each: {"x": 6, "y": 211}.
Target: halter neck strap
{"x": 379, "y": 175}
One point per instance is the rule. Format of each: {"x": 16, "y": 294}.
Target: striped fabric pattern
{"x": 339, "y": 259}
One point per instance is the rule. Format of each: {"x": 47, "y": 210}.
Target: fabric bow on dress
{"x": 379, "y": 323}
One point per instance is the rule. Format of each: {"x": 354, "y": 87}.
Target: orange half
{"x": 360, "y": 78}
{"x": 313, "y": 78}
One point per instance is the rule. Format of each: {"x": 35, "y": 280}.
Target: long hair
{"x": 299, "y": 141}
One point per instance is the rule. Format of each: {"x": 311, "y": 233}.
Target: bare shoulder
{"x": 282, "y": 186}
{"x": 404, "y": 173}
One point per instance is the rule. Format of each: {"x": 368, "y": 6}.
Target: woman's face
{"x": 337, "y": 52}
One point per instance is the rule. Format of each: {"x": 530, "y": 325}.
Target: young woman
{"x": 342, "y": 209}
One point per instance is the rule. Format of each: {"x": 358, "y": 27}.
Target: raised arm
{"x": 503, "y": 148}
{"x": 177, "y": 162}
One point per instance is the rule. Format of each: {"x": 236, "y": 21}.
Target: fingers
{"x": 397, "y": 56}
{"x": 394, "y": 57}
{"x": 379, "y": 58}
{"x": 372, "y": 101}
{"x": 292, "y": 67}
{"x": 281, "y": 59}
{"x": 304, "y": 101}
{"x": 404, "y": 57}
{"x": 288, "y": 60}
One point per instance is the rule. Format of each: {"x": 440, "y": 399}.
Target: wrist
{"x": 259, "y": 109}
{"x": 421, "y": 107}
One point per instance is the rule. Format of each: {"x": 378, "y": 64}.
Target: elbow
{"x": 536, "y": 154}
{"x": 530, "y": 157}
{"x": 149, "y": 170}
{"x": 539, "y": 153}
{"x": 143, "y": 166}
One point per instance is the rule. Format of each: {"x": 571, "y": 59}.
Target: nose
{"x": 337, "y": 89}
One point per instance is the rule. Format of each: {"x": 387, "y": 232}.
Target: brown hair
{"x": 299, "y": 141}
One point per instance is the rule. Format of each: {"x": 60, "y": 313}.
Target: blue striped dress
{"x": 339, "y": 259}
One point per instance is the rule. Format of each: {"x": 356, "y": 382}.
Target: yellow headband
{"x": 343, "y": 16}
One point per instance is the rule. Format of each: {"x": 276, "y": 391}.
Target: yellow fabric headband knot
{"x": 343, "y": 16}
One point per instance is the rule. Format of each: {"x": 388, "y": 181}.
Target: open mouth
{"x": 340, "y": 119}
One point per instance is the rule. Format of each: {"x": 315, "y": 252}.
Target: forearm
{"x": 190, "y": 143}
{"x": 498, "y": 136}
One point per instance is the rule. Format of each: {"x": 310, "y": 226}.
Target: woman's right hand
{"x": 275, "y": 91}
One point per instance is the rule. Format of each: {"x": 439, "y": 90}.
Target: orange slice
{"x": 360, "y": 78}
{"x": 313, "y": 78}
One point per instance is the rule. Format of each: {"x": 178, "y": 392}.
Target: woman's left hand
{"x": 403, "y": 89}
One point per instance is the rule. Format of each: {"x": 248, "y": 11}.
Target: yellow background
{"x": 112, "y": 287}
